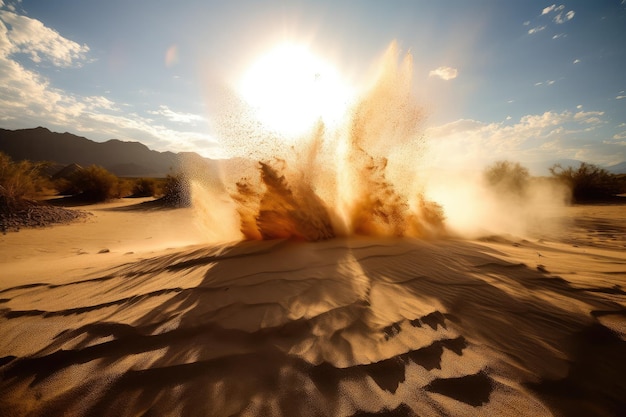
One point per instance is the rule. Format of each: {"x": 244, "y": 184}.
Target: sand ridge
{"x": 350, "y": 327}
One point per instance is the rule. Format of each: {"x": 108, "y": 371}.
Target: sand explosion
{"x": 330, "y": 182}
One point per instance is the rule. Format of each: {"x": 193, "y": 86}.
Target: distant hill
{"x": 129, "y": 159}
{"x": 617, "y": 168}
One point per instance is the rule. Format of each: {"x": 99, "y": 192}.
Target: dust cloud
{"x": 364, "y": 176}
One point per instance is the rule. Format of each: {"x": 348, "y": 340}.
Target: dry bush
{"x": 507, "y": 178}
{"x": 145, "y": 187}
{"x": 20, "y": 180}
{"x": 588, "y": 182}
{"x": 95, "y": 184}
{"x": 124, "y": 188}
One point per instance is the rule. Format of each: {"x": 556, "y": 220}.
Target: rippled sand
{"x": 344, "y": 327}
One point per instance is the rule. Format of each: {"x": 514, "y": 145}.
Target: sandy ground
{"x": 160, "y": 323}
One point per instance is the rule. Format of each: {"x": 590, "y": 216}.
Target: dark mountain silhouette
{"x": 130, "y": 159}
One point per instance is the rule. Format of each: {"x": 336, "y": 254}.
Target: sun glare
{"x": 290, "y": 89}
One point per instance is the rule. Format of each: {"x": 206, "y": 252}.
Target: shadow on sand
{"x": 343, "y": 327}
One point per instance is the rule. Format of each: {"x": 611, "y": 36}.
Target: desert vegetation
{"x": 508, "y": 178}
{"x": 20, "y": 183}
{"x": 96, "y": 184}
{"x": 146, "y": 187}
{"x": 589, "y": 182}
{"x": 20, "y": 180}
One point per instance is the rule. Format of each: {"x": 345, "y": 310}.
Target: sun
{"x": 289, "y": 89}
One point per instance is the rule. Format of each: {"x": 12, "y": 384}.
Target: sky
{"x": 498, "y": 79}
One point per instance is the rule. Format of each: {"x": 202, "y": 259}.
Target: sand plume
{"x": 339, "y": 181}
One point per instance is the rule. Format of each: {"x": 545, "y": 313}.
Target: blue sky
{"x": 518, "y": 80}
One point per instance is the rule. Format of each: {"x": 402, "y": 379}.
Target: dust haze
{"x": 370, "y": 175}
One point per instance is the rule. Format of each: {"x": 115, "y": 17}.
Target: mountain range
{"x": 134, "y": 159}
{"x": 125, "y": 159}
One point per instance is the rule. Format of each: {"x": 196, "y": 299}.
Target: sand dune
{"x": 344, "y": 327}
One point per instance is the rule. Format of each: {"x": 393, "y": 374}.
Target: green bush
{"x": 588, "y": 182}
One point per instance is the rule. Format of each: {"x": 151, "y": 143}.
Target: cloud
{"x": 620, "y": 136}
{"x": 28, "y": 99}
{"x": 559, "y": 35}
{"x": 445, "y": 73}
{"x": 553, "y": 8}
{"x": 23, "y": 35}
{"x": 560, "y": 18}
{"x": 536, "y": 29}
{"x": 620, "y": 97}
{"x": 176, "y": 116}
{"x": 526, "y": 23}
{"x": 576, "y": 61}
{"x": 533, "y": 137}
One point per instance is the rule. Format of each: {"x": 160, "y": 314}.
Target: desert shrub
{"x": 95, "y": 183}
{"x": 19, "y": 180}
{"x": 65, "y": 186}
{"x": 145, "y": 187}
{"x": 507, "y": 178}
{"x": 588, "y": 182}
{"x": 124, "y": 188}
{"x": 176, "y": 190}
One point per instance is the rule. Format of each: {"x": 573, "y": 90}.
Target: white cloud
{"x": 576, "y": 61}
{"x": 533, "y": 137}
{"x": 579, "y": 107}
{"x": 29, "y": 99}
{"x": 559, "y": 35}
{"x": 445, "y": 73}
{"x": 177, "y": 116}
{"x": 620, "y": 136}
{"x": 560, "y": 18}
{"x": 548, "y": 9}
{"x": 536, "y": 29}
{"x": 526, "y": 23}
{"x": 619, "y": 97}
{"x": 589, "y": 117}
{"x": 23, "y": 35}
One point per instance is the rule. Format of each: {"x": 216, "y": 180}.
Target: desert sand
{"x": 130, "y": 312}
